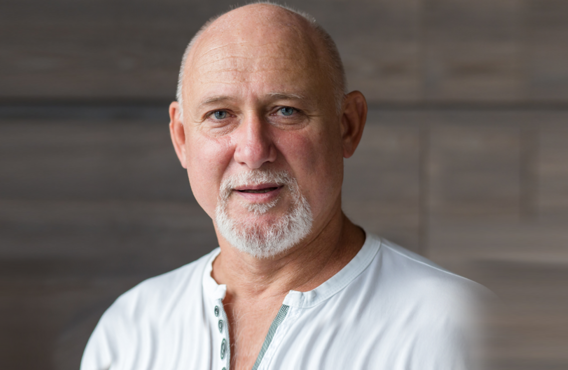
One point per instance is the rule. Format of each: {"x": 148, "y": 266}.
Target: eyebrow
{"x": 273, "y": 95}
{"x": 286, "y": 96}
{"x": 214, "y": 99}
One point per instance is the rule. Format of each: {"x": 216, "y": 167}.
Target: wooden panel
{"x": 526, "y": 265}
{"x": 475, "y": 172}
{"x": 381, "y": 185}
{"x": 115, "y": 50}
{"x": 506, "y": 50}
{"x": 474, "y": 50}
{"x": 407, "y": 50}
{"x": 548, "y": 58}
{"x": 381, "y": 48}
{"x": 97, "y": 49}
{"x": 454, "y": 242}
{"x": 105, "y": 236}
{"x": 75, "y": 61}
{"x": 90, "y": 160}
{"x": 552, "y": 169}
{"x": 42, "y": 314}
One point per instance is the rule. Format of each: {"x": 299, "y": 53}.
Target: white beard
{"x": 263, "y": 241}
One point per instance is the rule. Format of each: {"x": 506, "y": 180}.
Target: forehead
{"x": 255, "y": 54}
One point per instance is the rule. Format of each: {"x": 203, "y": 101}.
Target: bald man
{"x": 262, "y": 124}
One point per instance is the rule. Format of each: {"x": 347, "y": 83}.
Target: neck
{"x": 302, "y": 268}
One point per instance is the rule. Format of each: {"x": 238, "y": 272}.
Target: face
{"x": 261, "y": 134}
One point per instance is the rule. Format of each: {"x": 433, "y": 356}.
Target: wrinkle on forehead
{"x": 246, "y": 67}
{"x": 255, "y": 33}
{"x": 247, "y": 52}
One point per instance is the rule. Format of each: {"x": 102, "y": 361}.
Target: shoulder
{"x": 440, "y": 317}
{"x": 155, "y": 294}
{"x": 150, "y": 304}
{"x": 416, "y": 285}
{"x": 410, "y": 269}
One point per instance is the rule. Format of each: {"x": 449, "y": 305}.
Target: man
{"x": 262, "y": 125}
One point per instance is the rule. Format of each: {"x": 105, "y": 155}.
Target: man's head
{"x": 330, "y": 60}
{"x": 264, "y": 130}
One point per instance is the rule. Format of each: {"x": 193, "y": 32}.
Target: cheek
{"x": 207, "y": 159}
{"x": 319, "y": 153}
{"x": 299, "y": 152}
{"x": 317, "y": 162}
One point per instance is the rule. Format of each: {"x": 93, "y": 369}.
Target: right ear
{"x": 177, "y": 132}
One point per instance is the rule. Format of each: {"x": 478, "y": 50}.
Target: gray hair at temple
{"x": 333, "y": 61}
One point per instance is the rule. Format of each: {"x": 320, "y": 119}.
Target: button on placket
{"x": 223, "y": 348}
{"x": 220, "y": 325}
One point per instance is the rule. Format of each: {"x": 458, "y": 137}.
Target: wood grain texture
{"x": 394, "y": 51}
{"x": 526, "y": 265}
{"x": 90, "y": 160}
{"x": 474, "y": 51}
{"x": 475, "y": 172}
{"x": 552, "y": 198}
{"x": 547, "y": 32}
{"x": 381, "y": 184}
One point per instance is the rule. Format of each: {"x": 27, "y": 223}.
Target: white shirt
{"x": 388, "y": 308}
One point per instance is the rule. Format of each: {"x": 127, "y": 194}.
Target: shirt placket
{"x": 222, "y": 333}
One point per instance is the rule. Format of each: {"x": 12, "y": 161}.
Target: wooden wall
{"x": 464, "y": 158}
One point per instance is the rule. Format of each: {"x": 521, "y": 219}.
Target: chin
{"x": 263, "y": 231}
{"x": 265, "y": 238}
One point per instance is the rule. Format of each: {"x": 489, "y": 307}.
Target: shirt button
{"x": 223, "y": 348}
{"x": 217, "y": 311}
{"x": 220, "y": 326}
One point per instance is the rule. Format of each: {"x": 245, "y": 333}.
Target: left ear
{"x": 353, "y": 121}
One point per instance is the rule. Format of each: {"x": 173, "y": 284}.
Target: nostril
{"x": 255, "y": 154}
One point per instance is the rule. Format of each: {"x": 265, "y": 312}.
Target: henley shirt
{"x": 387, "y": 309}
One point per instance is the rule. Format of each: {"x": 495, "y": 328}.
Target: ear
{"x": 177, "y": 132}
{"x": 353, "y": 121}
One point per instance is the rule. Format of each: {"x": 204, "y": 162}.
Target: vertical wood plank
{"x": 474, "y": 51}
{"x": 553, "y": 173}
{"x": 381, "y": 184}
{"x": 475, "y": 172}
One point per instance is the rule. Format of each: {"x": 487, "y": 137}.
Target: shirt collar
{"x": 211, "y": 289}
{"x": 338, "y": 281}
{"x": 313, "y": 297}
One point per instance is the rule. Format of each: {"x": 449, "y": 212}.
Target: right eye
{"x": 220, "y": 114}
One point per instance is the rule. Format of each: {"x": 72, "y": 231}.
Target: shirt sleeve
{"x": 114, "y": 339}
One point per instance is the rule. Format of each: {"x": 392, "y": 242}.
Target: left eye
{"x": 220, "y": 114}
{"x": 287, "y": 111}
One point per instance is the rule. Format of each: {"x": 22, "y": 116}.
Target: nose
{"x": 254, "y": 145}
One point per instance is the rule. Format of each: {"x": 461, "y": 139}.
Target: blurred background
{"x": 464, "y": 158}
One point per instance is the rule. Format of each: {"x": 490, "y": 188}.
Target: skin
{"x": 247, "y": 66}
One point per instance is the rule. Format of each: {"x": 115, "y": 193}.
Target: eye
{"x": 220, "y": 114}
{"x": 287, "y": 111}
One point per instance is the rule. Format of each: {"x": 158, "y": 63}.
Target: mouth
{"x": 260, "y": 192}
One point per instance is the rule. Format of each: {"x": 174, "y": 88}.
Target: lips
{"x": 257, "y": 188}
{"x": 260, "y": 192}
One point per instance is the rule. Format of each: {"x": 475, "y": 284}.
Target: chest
{"x": 249, "y": 326}
{"x": 349, "y": 335}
